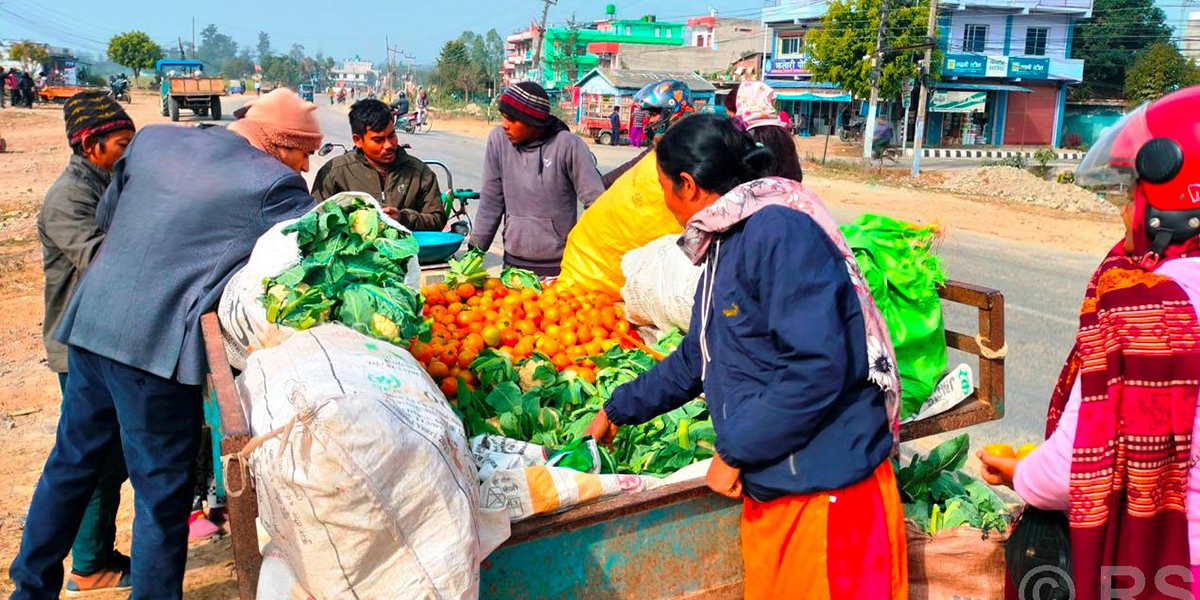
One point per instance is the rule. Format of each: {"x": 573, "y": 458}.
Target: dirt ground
{"x": 28, "y": 392}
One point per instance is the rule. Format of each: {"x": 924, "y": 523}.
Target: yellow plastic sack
{"x": 629, "y": 215}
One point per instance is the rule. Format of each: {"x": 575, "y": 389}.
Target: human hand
{"x": 997, "y": 470}
{"x": 601, "y": 429}
{"x": 392, "y": 212}
{"x": 724, "y": 479}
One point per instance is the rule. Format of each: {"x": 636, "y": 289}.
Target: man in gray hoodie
{"x": 535, "y": 173}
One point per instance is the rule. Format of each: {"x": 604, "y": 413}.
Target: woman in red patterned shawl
{"x": 1122, "y": 430}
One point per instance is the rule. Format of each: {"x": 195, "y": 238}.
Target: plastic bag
{"x": 365, "y": 480}
{"x": 244, "y": 324}
{"x": 660, "y": 285}
{"x": 904, "y": 276}
{"x": 628, "y": 215}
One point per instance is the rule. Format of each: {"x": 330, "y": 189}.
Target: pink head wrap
{"x": 756, "y": 106}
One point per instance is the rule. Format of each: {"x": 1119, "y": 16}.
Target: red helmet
{"x": 1152, "y": 156}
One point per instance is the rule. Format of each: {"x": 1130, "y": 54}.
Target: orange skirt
{"x": 843, "y": 544}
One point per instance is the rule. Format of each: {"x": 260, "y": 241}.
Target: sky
{"x": 339, "y": 28}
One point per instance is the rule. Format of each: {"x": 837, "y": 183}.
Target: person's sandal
{"x": 200, "y": 528}
{"x": 104, "y": 580}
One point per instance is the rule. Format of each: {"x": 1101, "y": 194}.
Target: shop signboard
{"x": 981, "y": 65}
{"x": 787, "y": 66}
{"x": 960, "y": 102}
{"x": 1029, "y": 68}
{"x": 906, "y": 93}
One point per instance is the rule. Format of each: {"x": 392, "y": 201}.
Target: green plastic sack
{"x": 903, "y": 274}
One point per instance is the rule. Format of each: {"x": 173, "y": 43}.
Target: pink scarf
{"x": 745, "y": 200}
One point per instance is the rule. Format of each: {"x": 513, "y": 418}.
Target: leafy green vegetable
{"x": 937, "y": 495}
{"x": 534, "y": 402}
{"x": 352, "y": 270}
{"x": 518, "y": 279}
{"x": 468, "y": 269}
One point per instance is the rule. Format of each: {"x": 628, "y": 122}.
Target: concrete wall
{"x": 731, "y": 45}
{"x": 999, "y": 25}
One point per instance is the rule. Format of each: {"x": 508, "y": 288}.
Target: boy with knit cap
{"x": 98, "y": 130}
{"x": 180, "y": 217}
{"x": 535, "y": 174}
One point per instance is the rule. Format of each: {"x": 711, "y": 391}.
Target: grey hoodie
{"x": 535, "y": 188}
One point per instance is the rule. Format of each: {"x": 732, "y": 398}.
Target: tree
{"x": 1159, "y": 70}
{"x": 451, "y": 64}
{"x": 839, "y": 51}
{"x": 495, "y": 58}
{"x": 297, "y": 52}
{"x": 1110, "y": 41}
{"x": 241, "y": 65}
{"x": 134, "y": 49}
{"x": 29, "y": 54}
{"x": 264, "y": 46}
{"x": 217, "y": 50}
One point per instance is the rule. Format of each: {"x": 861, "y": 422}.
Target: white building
{"x": 357, "y": 74}
{"x": 1191, "y": 36}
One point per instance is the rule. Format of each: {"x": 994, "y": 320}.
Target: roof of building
{"x": 636, "y": 80}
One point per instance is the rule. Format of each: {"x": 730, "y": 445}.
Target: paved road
{"x": 1043, "y": 288}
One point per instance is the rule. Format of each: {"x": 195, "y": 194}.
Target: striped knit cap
{"x": 526, "y": 102}
{"x": 93, "y": 112}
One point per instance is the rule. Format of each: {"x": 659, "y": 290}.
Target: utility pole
{"x": 876, "y": 69}
{"x": 926, "y": 68}
{"x": 193, "y": 36}
{"x": 537, "y": 51}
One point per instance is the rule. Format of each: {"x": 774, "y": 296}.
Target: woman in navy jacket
{"x": 797, "y": 369}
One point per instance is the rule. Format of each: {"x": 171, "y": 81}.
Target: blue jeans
{"x": 95, "y": 543}
{"x": 158, "y": 424}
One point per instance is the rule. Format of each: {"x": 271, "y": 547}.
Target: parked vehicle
{"x": 184, "y": 85}
{"x": 852, "y": 132}
{"x": 594, "y": 123}
{"x": 306, "y": 91}
{"x": 237, "y": 86}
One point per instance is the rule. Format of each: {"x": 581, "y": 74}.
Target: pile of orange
{"x": 565, "y": 324}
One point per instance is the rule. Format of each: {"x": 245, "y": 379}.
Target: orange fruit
{"x": 528, "y": 294}
{"x": 465, "y": 359}
{"x": 553, "y": 331}
{"x": 438, "y": 370}
{"x": 512, "y": 301}
{"x": 607, "y": 345}
{"x": 588, "y": 374}
{"x": 456, "y": 308}
{"x": 437, "y": 312}
{"x": 466, "y": 290}
{"x": 465, "y": 318}
{"x": 491, "y": 316}
{"x": 1001, "y": 450}
{"x": 1024, "y": 450}
{"x": 475, "y": 327}
{"x": 524, "y": 347}
{"x": 492, "y": 283}
{"x": 450, "y": 387}
{"x": 449, "y": 356}
{"x": 571, "y": 323}
{"x": 510, "y": 337}
{"x": 491, "y": 336}
{"x": 547, "y": 346}
{"x": 575, "y": 353}
{"x": 568, "y": 338}
{"x": 593, "y": 348}
{"x": 526, "y": 327}
{"x": 508, "y": 351}
{"x": 584, "y": 335}
{"x": 473, "y": 343}
{"x": 622, "y": 327}
{"x": 473, "y": 301}
{"x": 599, "y": 333}
{"x": 551, "y": 315}
{"x": 561, "y": 361}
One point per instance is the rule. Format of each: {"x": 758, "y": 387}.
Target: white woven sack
{"x": 660, "y": 285}
{"x": 244, "y": 325}
{"x": 365, "y": 480}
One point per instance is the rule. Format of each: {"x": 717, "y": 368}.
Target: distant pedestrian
{"x": 13, "y": 80}
{"x": 614, "y": 121}
{"x": 258, "y": 88}
{"x": 27, "y": 90}
{"x": 637, "y": 127}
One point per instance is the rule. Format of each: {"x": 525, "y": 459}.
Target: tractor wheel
{"x": 214, "y": 108}
{"x": 163, "y": 102}
{"x": 173, "y": 108}
{"x": 604, "y": 138}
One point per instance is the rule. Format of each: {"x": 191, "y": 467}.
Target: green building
{"x": 600, "y": 46}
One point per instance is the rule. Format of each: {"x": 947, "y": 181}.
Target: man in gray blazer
{"x": 182, "y": 214}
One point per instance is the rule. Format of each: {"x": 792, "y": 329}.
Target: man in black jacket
{"x": 406, "y": 187}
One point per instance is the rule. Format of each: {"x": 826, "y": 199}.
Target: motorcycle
{"x": 852, "y": 132}
{"x": 454, "y": 200}
{"x": 118, "y": 89}
{"x": 414, "y": 122}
